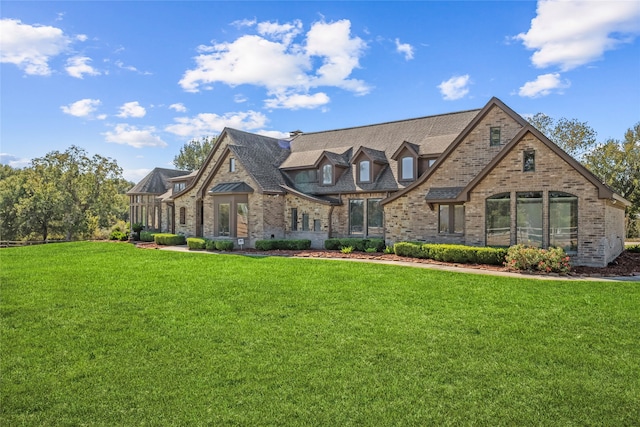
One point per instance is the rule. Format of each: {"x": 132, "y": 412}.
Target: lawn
{"x": 106, "y": 334}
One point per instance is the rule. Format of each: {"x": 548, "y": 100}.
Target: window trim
{"x": 183, "y": 215}
{"x": 294, "y": 219}
{"x": 232, "y": 164}
{"x": 529, "y": 166}
{"x": 451, "y": 219}
{"x": 327, "y": 170}
{"x": 305, "y": 222}
{"x": 495, "y": 136}
{"x": 368, "y": 177}
{"x": 401, "y": 172}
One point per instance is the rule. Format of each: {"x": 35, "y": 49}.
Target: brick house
{"x": 479, "y": 177}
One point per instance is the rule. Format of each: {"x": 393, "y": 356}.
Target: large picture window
{"x": 563, "y": 221}
{"x": 529, "y": 218}
{"x": 498, "y": 220}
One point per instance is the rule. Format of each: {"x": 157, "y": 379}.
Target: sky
{"x": 134, "y": 81}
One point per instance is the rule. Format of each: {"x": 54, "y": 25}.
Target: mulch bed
{"x": 627, "y": 264}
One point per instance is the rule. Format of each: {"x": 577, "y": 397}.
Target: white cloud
{"x": 573, "y": 33}
{"x": 179, "y": 107}
{"x": 297, "y": 100}
{"x": 13, "y": 161}
{"x": 455, "y": 88}
{"x": 404, "y": 48}
{"x": 274, "y": 134}
{"x": 30, "y": 47}
{"x": 543, "y": 86}
{"x": 211, "y": 124}
{"x": 79, "y": 65}
{"x": 272, "y": 60}
{"x": 81, "y": 108}
{"x": 239, "y": 98}
{"x": 135, "y": 175}
{"x": 82, "y": 37}
{"x": 132, "y": 109}
{"x": 136, "y": 137}
{"x": 244, "y": 23}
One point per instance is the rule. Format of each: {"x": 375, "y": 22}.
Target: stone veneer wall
{"x": 613, "y": 242}
{"x": 316, "y": 211}
{"x": 410, "y": 218}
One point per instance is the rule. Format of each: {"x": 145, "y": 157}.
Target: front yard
{"x": 104, "y": 334}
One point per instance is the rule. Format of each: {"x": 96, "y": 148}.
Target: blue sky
{"x": 134, "y": 80}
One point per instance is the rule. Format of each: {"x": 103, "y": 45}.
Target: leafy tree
{"x": 617, "y": 163}
{"x": 63, "y": 193}
{"x": 194, "y": 153}
{"x": 573, "y": 136}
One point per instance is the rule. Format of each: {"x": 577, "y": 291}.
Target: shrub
{"x": 137, "y": 227}
{"x": 634, "y": 249}
{"x": 525, "y": 258}
{"x": 371, "y": 250}
{"x": 147, "y": 236}
{"x": 169, "y": 239}
{"x": 360, "y": 245}
{"x": 224, "y": 245}
{"x": 209, "y": 245}
{"x": 346, "y": 249}
{"x": 195, "y": 243}
{"x": 119, "y": 235}
{"x": 283, "y": 244}
{"x": 451, "y": 253}
{"x": 332, "y": 244}
{"x": 389, "y": 250}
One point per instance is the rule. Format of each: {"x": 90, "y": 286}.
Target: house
{"x": 478, "y": 177}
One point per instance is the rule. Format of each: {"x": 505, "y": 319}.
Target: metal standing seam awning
{"x": 231, "y": 188}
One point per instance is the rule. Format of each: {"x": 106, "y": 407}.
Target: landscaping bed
{"x": 627, "y": 264}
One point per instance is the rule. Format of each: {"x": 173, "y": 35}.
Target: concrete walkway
{"x": 450, "y": 268}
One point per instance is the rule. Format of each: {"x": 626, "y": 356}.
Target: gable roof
{"x": 158, "y": 181}
{"x": 493, "y": 102}
{"x": 604, "y": 191}
{"x": 260, "y": 155}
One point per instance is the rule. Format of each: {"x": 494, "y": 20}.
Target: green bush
{"x": 119, "y": 235}
{"x": 525, "y": 258}
{"x": 169, "y": 239}
{"x": 332, "y": 244}
{"x": 224, "y": 245}
{"x": 634, "y": 249}
{"x": 371, "y": 250}
{"x": 209, "y": 245}
{"x": 283, "y": 244}
{"x": 451, "y": 253}
{"x": 360, "y": 245}
{"x": 389, "y": 250}
{"x": 195, "y": 243}
{"x": 147, "y": 236}
{"x": 346, "y": 249}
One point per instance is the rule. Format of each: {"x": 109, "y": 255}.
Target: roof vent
{"x": 295, "y": 133}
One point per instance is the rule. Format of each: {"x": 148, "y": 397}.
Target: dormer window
{"x": 232, "y": 165}
{"x": 407, "y": 166}
{"x": 327, "y": 174}
{"x": 364, "y": 171}
{"x": 179, "y": 186}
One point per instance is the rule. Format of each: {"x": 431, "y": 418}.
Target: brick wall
{"x": 410, "y": 218}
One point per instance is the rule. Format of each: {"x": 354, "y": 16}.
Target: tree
{"x": 68, "y": 194}
{"x": 573, "y": 136}
{"x": 618, "y": 165}
{"x": 194, "y": 153}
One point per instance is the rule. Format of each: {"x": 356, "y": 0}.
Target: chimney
{"x": 295, "y": 133}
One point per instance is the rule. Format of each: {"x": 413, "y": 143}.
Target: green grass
{"x": 104, "y": 334}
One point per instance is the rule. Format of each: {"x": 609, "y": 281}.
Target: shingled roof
{"x": 431, "y": 134}
{"x": 157, "y": 181}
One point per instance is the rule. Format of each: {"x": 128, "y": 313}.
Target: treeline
{"x": 63, "y": 195}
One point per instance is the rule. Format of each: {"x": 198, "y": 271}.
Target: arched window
{"x": 498, "y": 220}
{"x": 327, "y": 174}
{"x": 563, "y": 221}
{"x": 365, "y": 171}
{"x": 407, "y": 165}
